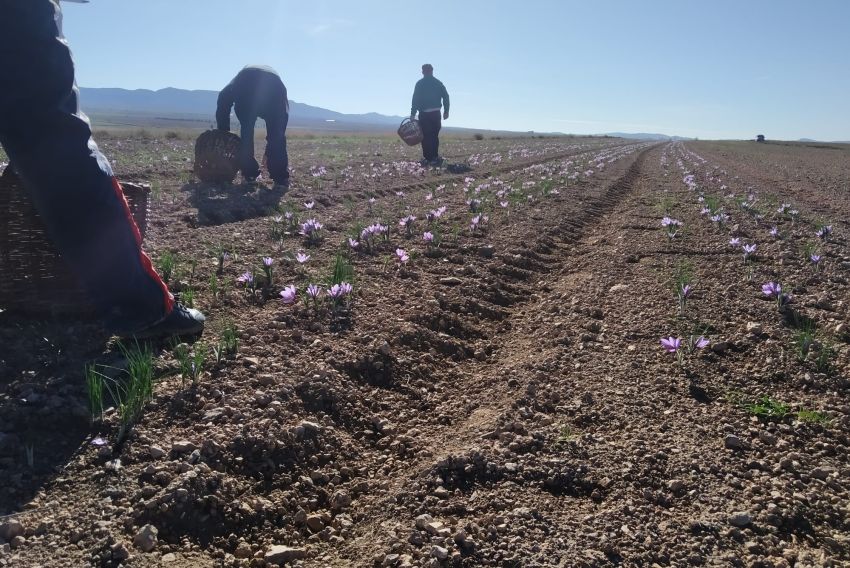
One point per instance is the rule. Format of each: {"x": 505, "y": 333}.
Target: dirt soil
{"x": 500, "y": 399}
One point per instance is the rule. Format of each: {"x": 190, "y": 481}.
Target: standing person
{"x": 257, "y": 91}
{"x": 429, "y": 96}
{"x": 50, "y": 145}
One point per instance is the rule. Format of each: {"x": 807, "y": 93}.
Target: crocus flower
{"x": 401, "y": 255}
{"x": 302, "y": 258}
{"x": 339, "y": 291}
{"x": 748, "y": 251}
{"x": 824, "y": 232}
{"x": 310, "y": 229}
{"x": 428, "y": 237}
{"x": 353, "y": 244}
{"x": 309, "y": 204}
{"x": 735, "y": 242}
{"x": 289, "y": 294}
{"x": 313, "y": 291}
{"x": 671, "y": 344}
{"x": 771, "y": 289}
{"x": 503, "y": 203}
{"x": 267, "y": 261}
{"x": 774, "y": 232}
{"x": 701, "y": 342}
{"x": 245, "y": 278}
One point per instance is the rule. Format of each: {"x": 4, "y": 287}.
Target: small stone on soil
{"x": 280, "y": 554}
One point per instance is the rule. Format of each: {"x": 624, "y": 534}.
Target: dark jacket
{"x": 428, "y": 94}
{"x": 256, "y": 91}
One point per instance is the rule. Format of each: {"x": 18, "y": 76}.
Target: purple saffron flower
{"x": 353, "y": 244}
{"x": 313, "y": 291}
{"x": 407, "y": 221}
{"x": 245, "y": 278}
{"x": 774, "y": 232}
{"x": 735, "y": 242}
{"x": 686, "y": 291}
{"x": 748, "y": 250}
{"x": 339, "y": 291}
{"x": 771, "y": 289}
{"x": 267, "y": 261}
{"x": 289, "y": 294}
{"x": 815, "y": 258}
{"x": 309, "y": 204}
{"x": 310, "y": 229}
{"x": 98, "y": 442}
{"x": 401, "y": 255}
{"x": 671, "y": 344}
{"x": 503, "y": 203}
{"x": 428, "y": 237}
{"x": 701, "y": 342}
{"x": 302, "y": 258}
{"x": 824, "y": 232}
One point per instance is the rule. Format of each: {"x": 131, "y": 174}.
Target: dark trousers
{"x": 430, "y": 123}
{"x": 49, "y": 144}
{"x": 276, "y": 154}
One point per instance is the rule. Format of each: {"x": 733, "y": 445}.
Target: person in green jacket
{"x": 429, "y": 96}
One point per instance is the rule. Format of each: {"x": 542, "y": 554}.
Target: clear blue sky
{"x": 712, "y": 68}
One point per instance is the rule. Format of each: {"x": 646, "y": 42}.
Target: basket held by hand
{"x": 410, "y": 131}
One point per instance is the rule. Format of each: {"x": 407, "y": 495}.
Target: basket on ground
{"x": 217, "y": 156}
{"x": 410, "y": 131}
{"x": 33, "y": 277}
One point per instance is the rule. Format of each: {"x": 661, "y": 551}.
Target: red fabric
{"x": 143, "y": 258}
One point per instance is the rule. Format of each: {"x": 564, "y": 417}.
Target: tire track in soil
{"x": 485, "y": 380}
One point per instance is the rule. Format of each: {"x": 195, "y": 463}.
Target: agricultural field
{"x": 566, "y": 351}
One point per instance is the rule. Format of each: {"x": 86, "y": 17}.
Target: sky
{"x": 708, "y": 69}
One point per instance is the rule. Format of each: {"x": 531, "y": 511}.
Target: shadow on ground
{"x": 228, "y": 203}
{"x": 44, "y": 417}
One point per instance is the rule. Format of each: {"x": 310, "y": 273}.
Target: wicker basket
{"x": 410, "y": 131}
{"x": 217, "y": 156}
{"x": 34, "y": 280}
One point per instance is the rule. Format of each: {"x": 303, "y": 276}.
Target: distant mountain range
{"x": 645, "y": 136}
{"x": 172, "y": 107}
{"x": 179, "y": 105}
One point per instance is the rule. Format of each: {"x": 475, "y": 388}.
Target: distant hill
{"x": 645, "y": 136}
{"x": 199, "y": 106}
